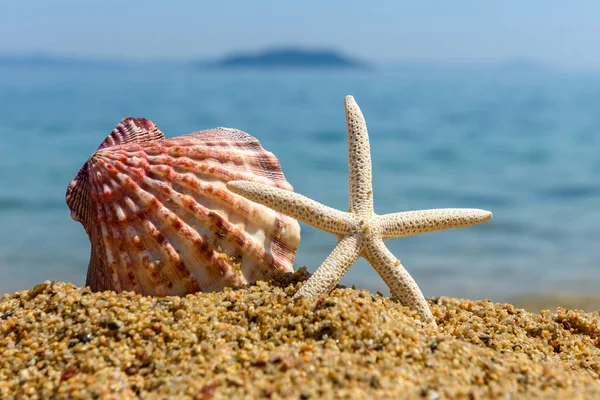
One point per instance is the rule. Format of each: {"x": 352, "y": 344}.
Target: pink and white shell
{"x": 161, "y": 220}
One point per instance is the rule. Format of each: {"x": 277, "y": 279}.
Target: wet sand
{"x": 62, "y": 341}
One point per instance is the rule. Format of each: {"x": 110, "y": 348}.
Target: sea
{"x": 522, "y": 142}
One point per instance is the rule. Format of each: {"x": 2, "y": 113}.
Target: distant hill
{"x": 277, "y": 58}
{"x": 287, "y": 58}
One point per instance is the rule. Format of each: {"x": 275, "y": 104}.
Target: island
{"x": 272, "y": 58}
{"x": 289, "y": 57}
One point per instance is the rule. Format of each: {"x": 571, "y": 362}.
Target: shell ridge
{"x": 246, "y": 156}
{"x": 229, "y": 156}
{"x": 278, "y": 247}
{"x": 149, "y": 276}
{"x": 205, "y": 213}
{"x": 168, "y": 257}
{"x": 119, "y": 253}
{"x": 127, "y": 274}
{"x": 172, "y": 259}
{"x": 78, "y": 198}
{"x": 132, "y": 130}
{"x": 205, "y": 216}
{"x": 225, "y": 199}
{"x": 129, "y": 130}
{"x": 164, "y": 227}
{"x": 223, "y": 165}
{"x": 214, "y": 171}
{"x": 99, "y": 275}
{"x": 209, "y": 195}
{"x": 111, "y": 234}
{"x": 106, "y": 269}
{"x": 221, "y": 134}
{"x": 135, "y": 238}
{"x": 177, "y": 265}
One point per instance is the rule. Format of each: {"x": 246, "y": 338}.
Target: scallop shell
{"x": 161, "y": 220}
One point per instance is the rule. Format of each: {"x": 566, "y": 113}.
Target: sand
{"x": 62, "y": 341}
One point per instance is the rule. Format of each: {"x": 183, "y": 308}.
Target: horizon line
{"x": 509, "y": 62}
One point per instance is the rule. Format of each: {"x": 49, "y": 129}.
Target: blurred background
{"x": 468, "y": 104}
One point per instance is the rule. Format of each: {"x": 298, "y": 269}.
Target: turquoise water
{"x": 522, "y": 145}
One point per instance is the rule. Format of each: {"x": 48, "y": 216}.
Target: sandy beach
{"x": 62, "y": 341}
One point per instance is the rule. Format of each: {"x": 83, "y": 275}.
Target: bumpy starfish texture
{"x": 360, "y": 231}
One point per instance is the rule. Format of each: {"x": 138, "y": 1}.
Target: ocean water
{"x": 524, "y": 145}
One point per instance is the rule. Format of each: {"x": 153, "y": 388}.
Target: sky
{"x": 554, "y": 33}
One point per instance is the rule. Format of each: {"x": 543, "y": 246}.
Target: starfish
{"x": 360, "y": 231}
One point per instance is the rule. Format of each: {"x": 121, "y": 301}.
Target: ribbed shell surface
{"x": 162, "y": 222}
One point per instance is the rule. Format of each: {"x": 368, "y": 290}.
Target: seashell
{"x": 161, "y": 220}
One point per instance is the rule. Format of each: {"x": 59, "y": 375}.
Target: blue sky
{"x": 556, "y": 33}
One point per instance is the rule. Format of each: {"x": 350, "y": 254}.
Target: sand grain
{"x": 62, "y": 341}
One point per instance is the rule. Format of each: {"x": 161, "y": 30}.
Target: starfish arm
{"x": 359, "y": 160}
{"x": 333, "y": 268}
{"x": 294, "y": 205}
{"x": 415, "y": 222}
{"x": 401, "y": 284}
